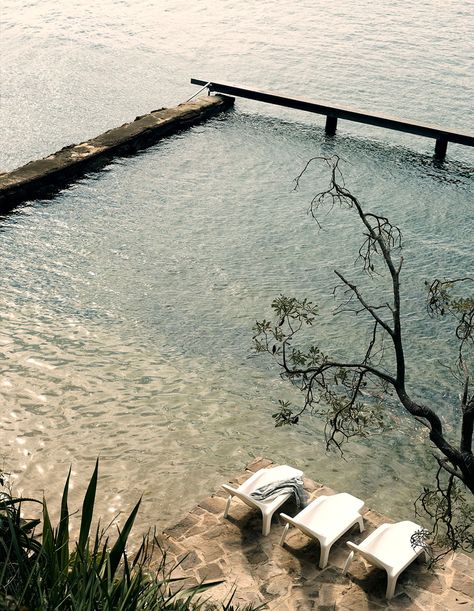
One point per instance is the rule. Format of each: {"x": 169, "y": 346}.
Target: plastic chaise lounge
{"x": 257, "y": 480}
{"x": 389, "y": 547}
{"x": 326, "y": 519}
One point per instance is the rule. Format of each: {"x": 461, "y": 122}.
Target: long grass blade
{"x": 62, "y": 539}
{"x": 48, "y": 551}
{"x": 88, "y": 508}
{"x": 117, "y": 551}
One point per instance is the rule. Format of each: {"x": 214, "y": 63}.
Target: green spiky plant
{"x": 52, "y": 572}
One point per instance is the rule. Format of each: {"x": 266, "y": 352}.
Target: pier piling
{"x": 331, "y": 125}
{"x": 440, "y": 148}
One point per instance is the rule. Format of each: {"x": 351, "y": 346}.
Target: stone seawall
{"x": 44, "y": 177}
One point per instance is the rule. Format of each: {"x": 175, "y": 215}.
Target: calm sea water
{"x": 127, "y": 302}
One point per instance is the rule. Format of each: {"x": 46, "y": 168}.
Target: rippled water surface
{"x": 127, "y": 302}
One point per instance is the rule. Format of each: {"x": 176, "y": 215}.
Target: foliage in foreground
{"x": 352, "y": 393}
{"x": 93, "y": 573}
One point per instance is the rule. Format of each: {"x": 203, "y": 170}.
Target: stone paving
{"x": 288, "y": 578}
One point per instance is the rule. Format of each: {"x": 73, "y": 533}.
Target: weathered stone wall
{"x": 46, "y": 176}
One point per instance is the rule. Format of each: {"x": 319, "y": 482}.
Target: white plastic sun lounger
{"x": 389, "y": 547}
{"x": 326, "y": 519}
{"x": 257, "y": 480}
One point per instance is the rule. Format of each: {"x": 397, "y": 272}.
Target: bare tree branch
{"x": 346, "y": 391}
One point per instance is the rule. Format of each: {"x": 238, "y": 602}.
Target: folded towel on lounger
{"x": 292, "y": 486}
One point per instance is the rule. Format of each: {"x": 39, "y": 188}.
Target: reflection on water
{"x": 167, "y": 428}
{"x": 127, "y": 302}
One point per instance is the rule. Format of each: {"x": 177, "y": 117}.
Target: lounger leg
{"x": 323, "y": 558}
{"x": 391, "y": 585}
{"x": 361, "y": 524}
{"x": 267, "y": 522}
{"x": 226, "y": 511}
{"x": 285, "y": 532}
{"x": 349, "y": 560}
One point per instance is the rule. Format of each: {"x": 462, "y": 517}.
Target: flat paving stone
{"x": 213, "y": 504}
{"x": 288, "y": 578}
{"x": 210, "y": 572}
{"x": 464, "y": 584}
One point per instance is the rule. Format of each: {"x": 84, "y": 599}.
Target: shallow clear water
{"x": 128, "y": 301}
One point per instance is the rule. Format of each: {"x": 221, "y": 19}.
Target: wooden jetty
{"x": 333, "y": 113}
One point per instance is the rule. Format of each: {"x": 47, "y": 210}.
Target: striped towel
{"x": 292, "y": 486}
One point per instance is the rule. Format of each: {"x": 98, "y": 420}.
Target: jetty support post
{"x": 441, "y": 147}
{"x": 331, "y": 125}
